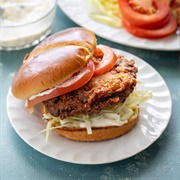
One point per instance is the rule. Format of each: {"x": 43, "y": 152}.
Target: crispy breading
{"x": 101, "y": 92}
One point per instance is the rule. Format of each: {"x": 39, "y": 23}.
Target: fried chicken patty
{"x": 101, "y": 92}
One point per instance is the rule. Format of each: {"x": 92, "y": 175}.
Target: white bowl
{"x": 14, "y": 36}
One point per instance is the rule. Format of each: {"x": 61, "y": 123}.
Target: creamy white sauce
{"x": 17, "y": 14}
{"x": 104, "y": 122}
{"x": 96, "y": 121}
{"x": 41, "y": 94}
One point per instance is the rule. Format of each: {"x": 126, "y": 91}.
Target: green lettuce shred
{"x": 107, "y": 12}
{"x": 120, "y": 113}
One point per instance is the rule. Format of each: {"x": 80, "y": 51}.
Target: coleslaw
{"x": 116, "y": 116}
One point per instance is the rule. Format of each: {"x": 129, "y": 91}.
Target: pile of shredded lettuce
{"x": 107, "y": 12}
{"x": 117, "y": 115}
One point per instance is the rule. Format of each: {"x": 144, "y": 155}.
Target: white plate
{"x": 76, "y": 10}
{"x": 154, "y": 118}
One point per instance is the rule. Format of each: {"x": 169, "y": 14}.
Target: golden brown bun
{"x": 98, "y": 134}
{"x": 53, "y": 61}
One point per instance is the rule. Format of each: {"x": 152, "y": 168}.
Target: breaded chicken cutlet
{"x": 99, "y": 93}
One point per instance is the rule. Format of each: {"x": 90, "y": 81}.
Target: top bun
{"x": 53, "y": 61}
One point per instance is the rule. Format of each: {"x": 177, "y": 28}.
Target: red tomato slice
{"x": 71, "y": 84}
{"x": 151, "y": 33}
{"x": 108, "y": 60}
{"x": 145, "y": 20}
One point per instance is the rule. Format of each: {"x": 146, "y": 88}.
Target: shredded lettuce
{"x": 117, "y": 115}
{"x": 107, "y": 12}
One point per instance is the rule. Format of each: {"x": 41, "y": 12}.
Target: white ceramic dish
{"x": 154, "y": 117}
{"x": 77, "y": 11}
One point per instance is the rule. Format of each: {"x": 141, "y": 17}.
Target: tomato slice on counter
{"x": 149, "y": 14}
{"x": 71, "y": 84}
{"x": 169, "y": 28}
{"x": 108, "y": 59}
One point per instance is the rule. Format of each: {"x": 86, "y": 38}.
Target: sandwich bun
{"x": 53, "y": 61}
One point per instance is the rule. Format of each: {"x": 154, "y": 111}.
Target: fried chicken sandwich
{"x": 86, "y": 90}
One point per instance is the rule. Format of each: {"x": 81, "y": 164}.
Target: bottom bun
{"x": 99, "y": 134}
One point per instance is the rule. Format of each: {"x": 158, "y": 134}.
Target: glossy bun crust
{"x": 53, "y": 61}
{"x": 99, "y": 134}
